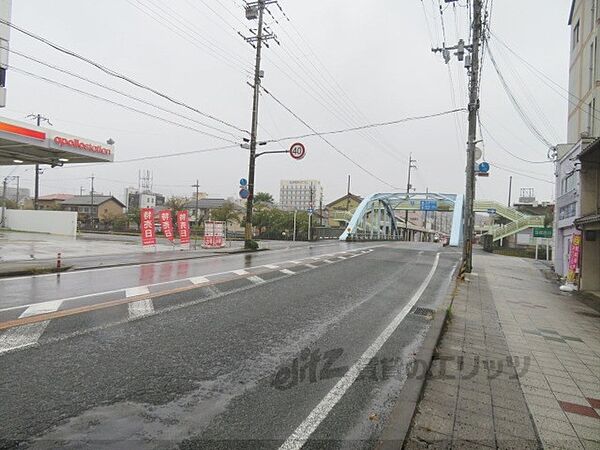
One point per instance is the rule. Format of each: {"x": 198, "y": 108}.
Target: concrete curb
{"x": 400, "y": 420}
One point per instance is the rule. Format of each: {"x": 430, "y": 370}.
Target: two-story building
{"x": 97, "y": 208}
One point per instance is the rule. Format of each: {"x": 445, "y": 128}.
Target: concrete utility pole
{"x": 197, "y": 186}
{"x": 469, "y": 215}
{"x": 92, "y": 199}
{"x": 38, "y": 120}
{"x": 255, "y": 10}
{"x": 509, "y": 189}
{"x": 411, "y": 165}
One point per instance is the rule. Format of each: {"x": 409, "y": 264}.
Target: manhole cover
{"x": 426, "y": 312}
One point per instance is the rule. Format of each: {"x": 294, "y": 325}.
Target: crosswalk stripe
{"x": 240, "y": 272}
{"x": 41, "y": 308}
{"x": 256, "y": 280}
{"x": 327, "y": 261}
{"x": 341, "y": 257}
{"x": 271, "y": 266}
{"x": 134, "y": 291}
{"x": 311, "y": 266}
{"x": 140, "y": 309}
{"x": 295, "y": 262}
{"x": 287, "y": 272}
{"x": 199, "y": 280}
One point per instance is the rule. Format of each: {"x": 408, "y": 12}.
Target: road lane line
{"x": 271, "y": 266}
{"x": 41, "y": 308}
{"x": 139, "y": 290}
{"x": 28, "y": 335}
{"x": 287, "y": 272}
{"x": 256, "y": 280}
{"x": 199, "y": 280}
{"x": 240, "y": 272}
{"x": 312, "y": 266}
{"x": 320, "y": 412}
{"x": 140, "y": 309}
{"x": 296, "y": 262}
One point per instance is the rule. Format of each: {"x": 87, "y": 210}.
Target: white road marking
{"x": 271, "y": 266}
{"x": 134, "y": 291}
{"x": 341, "y": 257}
{"x": 311, "y": 266}
{"x": 320, "y": 412}
{"x": 41, "y": 308}
{"x": 327, "y": 261}
{"x": 256, "y": 280}
{"x": 114, "y": 291}
{"x": 287, "y": 272}
{"x": 140, "y": 309}
{"x": 199, "y": 280}
{"x": 28, "y": 335}
{"x": 240, "y": 272}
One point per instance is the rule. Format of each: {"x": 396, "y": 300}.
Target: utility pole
{"x": 92, "y": 200}
{"x": 18, "y": 187}
{"x": 4, "y": 183}
{"x": 255, "y": 10}
{"x": 411, "y": 165}
{"x": 38, "y": 120}
{"x": 469, "y": 215}
{"x": 197, "y": 186}
{"x": 509, "y": 189}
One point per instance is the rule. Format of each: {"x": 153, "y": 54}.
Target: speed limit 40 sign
{"x": 297, "y": 151}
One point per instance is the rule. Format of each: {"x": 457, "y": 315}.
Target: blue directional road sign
{"x": 244, "y": 193}
{"x": 491, "y": 210}
{"x": 429, "y": 205}
{"x": 484, "y": 167}
{"x": 243, "y": 182}
{"x": 310, "y": 210}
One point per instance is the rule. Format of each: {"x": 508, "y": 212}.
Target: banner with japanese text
{"x": 183, "y": 226}
{"x": 574, "y": 258}
{"x": 166, "y": 223}
{"x": 147, "y": 226}
{"x": 214, "y": 234}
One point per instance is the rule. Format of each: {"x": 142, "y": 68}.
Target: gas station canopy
{"x": 23, "y": 143}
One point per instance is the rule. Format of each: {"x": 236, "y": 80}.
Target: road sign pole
{"x": 309, "y": 225}
{"x": 295, "y": 217}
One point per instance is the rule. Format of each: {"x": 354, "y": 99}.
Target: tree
{"x": 228, "y": 212}
{"x": 133, "y": 215}
{"x": 263, "y": 197}
{"x": 176, "y": 203}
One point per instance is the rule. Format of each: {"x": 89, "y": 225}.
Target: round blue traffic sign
{"x": 243, "y": 182}
{"x": 484, "y": 167}
{"x": 244, "y": 193}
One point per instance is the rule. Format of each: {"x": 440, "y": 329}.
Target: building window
{"x": 576, "y": 34}
{"x": 568, "y": 183}
{"x": 590, "y": 118}
{"x": 567, "y": 211}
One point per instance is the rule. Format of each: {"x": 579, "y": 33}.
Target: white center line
{"x": 140, "y": 309}
{"x": 199, "y": 280}
{"x": 271, "y": 266}
{"x": 320, "y": 412}
{"x": 240, "y": 272}
{"x": 256, "y": 280}
{"x": 287, "y": 272}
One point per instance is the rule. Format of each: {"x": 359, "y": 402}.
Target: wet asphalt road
{"x": 238, "y": 364}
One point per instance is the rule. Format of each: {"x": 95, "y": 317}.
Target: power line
{"x": 115, "y": 74}
{"x": 316, "y": 133}
{"x": 527, "y": 175}
{"x": 59, "y": 69}
{"x": 130, "y": 108}
{"x": 364, "y": 127}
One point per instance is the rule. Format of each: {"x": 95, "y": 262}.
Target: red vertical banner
{"x": 147, "y": 226}
{"x": 183, "y": 226}
{"x": 166, "y": 223}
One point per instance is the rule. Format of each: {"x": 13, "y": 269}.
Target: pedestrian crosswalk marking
{"x": 256, "y": 280}
{"x": 135, "y": 291}
{"x": 311, "y": 266}
{"x": 41, "y": 308}
{"x": 199, "y": 280}
{"x": 271, "y": 266}
{"x": 240, "y": 272}
{"x": 327, "y": 261}
{"x": 140, "y": 309}
{"x": 287, "y": 272}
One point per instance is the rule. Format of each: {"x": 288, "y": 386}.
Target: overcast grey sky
{"x": 340, "y": 63}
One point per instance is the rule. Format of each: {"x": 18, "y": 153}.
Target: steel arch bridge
{"x": 375, "y": 217}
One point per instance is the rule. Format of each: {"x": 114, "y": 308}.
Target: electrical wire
{"x": 130, "y": 108}
{"x": 153, "y": 105}
{"x": 116, "y": 74}
{"x": 372, "y": 125}
{"x": 527, "y": 175}
{"x": 316, "y": 133}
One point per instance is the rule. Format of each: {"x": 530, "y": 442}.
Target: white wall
{"x": 52, "y": 222}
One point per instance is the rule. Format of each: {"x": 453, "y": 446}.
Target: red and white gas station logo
{"x": 76, "y": 143}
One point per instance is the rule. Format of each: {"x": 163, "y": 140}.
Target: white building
{"x": 300, "y": 194}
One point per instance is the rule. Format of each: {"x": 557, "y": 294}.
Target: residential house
{"x": 53, "y": 201}
{"x": 99, "y": 208}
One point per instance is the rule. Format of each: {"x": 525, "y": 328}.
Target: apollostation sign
{"x": 87, "y": 146}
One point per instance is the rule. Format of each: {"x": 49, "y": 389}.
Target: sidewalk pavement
{"x": 517, "y": 367}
